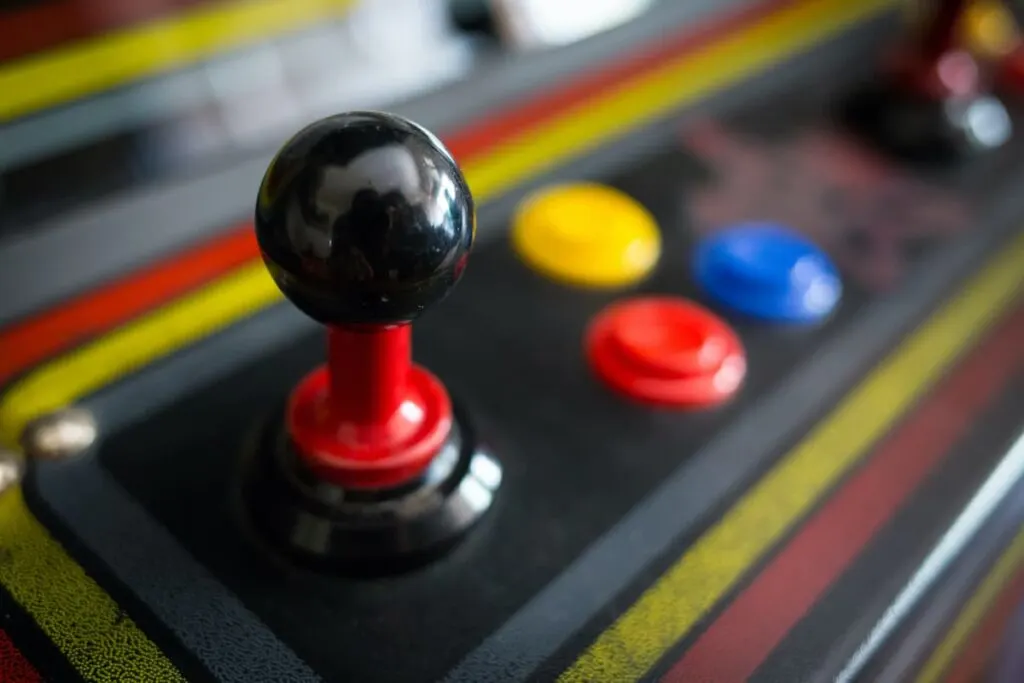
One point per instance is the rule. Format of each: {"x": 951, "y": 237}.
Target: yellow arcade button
{"x": 586, "y": 234}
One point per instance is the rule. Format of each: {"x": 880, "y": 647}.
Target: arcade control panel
{"x": 703, "y": 364}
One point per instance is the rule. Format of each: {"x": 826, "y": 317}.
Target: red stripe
{"x": 50, "y": 23}
{"x": 36, "y": 338}
{"x": 14, "y": 668}
{"x": 977, "y": 656}
{"x": 60, "y": 328}
{"x": 758, "y": 619}
{"x": 488, "y": 134}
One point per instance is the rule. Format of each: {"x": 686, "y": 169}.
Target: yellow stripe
{"x": 973, "y": 612}
{"x": 681, "y": 81}
{"x": 109, "y": 61}
{"x": 158, "y": 334}
{"x": 84, "y": 622}
{"x": 717, "y": 560}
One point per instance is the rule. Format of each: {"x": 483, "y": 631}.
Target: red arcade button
{"x": 666, "y": 351}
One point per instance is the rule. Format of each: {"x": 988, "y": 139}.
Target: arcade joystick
{"x": 932, "y": 100}
{"x": 364, "y": 220}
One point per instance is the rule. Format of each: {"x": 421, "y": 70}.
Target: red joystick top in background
{"x": 936, "y": 25}
{"x": 364, "y": 220}
{"x": 933, "y": 62}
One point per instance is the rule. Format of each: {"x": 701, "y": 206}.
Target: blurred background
{"x": 113, "y": 111}
{"x": 233, "y": 77}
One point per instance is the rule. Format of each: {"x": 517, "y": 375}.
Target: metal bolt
{"x": 61, "y": 434}
{"x": 11, "y": 468}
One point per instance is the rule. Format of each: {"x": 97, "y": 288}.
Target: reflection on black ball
{"x": 364, "y": 218}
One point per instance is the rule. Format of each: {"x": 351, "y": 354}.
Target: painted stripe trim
{"x": 211, "y": 622}
{"x": 794, "y": 28}
{"x": 719, "y": 559}
{"x": 487, "y": 134}
{"x": 991, "y": 635}
{"x": 977, "y": 512}
{"x": 39, "y": 337}
{"x": 974, "y": 610}
{"x": 742, "y": 637}
{"x": 134, "y": 345}
{"x": 71, "y": 609}
{"x": 14, "y": 667}
{"x": 105, "y": 62}
{"x": 52, "y": 22}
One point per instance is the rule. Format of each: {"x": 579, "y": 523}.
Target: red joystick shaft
{"x": 369, "y": 372}
{"x": 370, "y": 418}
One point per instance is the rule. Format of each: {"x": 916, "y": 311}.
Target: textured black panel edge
{"x": 31, "y": 642}
{"x": 915, "y": 640}
{"x": 129, "y": 605}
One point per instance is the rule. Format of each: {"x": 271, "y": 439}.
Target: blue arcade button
{"x": 769, "y": 272}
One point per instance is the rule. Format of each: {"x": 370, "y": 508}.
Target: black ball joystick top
{"x": 364, "y": 218}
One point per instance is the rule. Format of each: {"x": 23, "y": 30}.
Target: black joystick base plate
{"x": 319, "y": 525}
{"x": 917, "y": 127}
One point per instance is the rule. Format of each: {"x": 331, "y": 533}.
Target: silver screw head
{"x": 59, "y": 435}
{"x": 12, "y": 466}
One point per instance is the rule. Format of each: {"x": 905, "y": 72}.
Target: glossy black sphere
{"x": 364, "y": 218}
